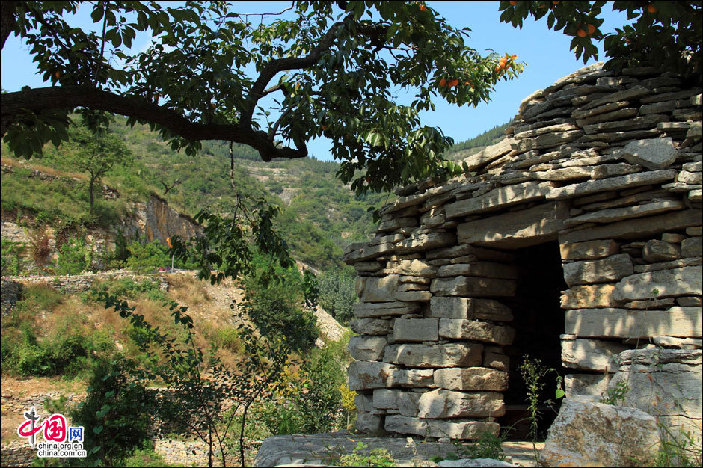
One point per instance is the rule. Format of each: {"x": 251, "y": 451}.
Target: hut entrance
{"x": 538, "y": 321}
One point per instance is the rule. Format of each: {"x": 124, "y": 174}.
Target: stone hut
{"x": 575, "y": 239}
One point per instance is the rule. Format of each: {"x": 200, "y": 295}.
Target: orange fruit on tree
{"x": 513, "y": 2}
{"x": 555, "y": 3}
{"x": 591, "y": 29}
{"x": 453, "y": 83}
{"x": 442, "y": 82}
{"x": 581, "y": 33}
{"x": 57, "y": 75}
{"x": 323, "y": 127}
{"x": 514, "y": 57}
{"x": 422, "y": 7}
{"x": 651, "y": 8}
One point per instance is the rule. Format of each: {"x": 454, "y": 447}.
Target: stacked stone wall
{"x": 72, "y": 284}
{"x": 607, "y": 165}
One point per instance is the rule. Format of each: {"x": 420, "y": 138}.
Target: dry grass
{"x": 20, "y": 389}
{"x": 186, "y": 289}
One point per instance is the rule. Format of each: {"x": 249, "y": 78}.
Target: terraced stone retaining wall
{"x": 608, "y": 166}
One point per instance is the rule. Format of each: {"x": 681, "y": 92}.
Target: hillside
{"x": 471, "y": 146}
{"x": 319, "y": 215}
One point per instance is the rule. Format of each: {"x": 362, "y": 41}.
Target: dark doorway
{"x": 538, "y": 321}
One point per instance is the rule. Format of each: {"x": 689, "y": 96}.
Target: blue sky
{"x": 546, "y": 54}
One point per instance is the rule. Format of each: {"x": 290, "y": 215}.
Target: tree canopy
{"x": 332, "y": 70}
{"x": 323, "y": 68}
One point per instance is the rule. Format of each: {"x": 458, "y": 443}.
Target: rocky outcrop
{"x": 608, "y": 166}
{"x": 596, "y": 434}
{"x": 155, "y": 220}
{"x": 665, "y": 382}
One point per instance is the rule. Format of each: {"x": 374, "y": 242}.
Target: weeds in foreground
{"x": 362, "y": 457}
{"x": 678, "y": 447}
{"x": 534, "y": 374}
{"x": 616, "y": 395}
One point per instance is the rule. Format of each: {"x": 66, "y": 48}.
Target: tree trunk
{"x": 209, "y": 453}
{"x": 241, "y": 434}
{"x": 90, "y": 192}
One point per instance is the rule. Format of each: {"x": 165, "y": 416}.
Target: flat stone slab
{"x": 326, "y": 449}
{"x": 441, "y": 404}
{"x": 498, "y": 198}
{"x": 516, "y": 229}
{"x": 611, "y": 268}
{"x": 663, "y": 283}
{"x": 638, "y": 227}
{"x": 445, "y": 355}
{"x": 612, "y": 183}
{"x": 618, "y": 214}
{"x": 460, "y": 329}
{"x": 469, "y": 308}
{"x": 624, "y": 323}
{"x": 473, "y": 286}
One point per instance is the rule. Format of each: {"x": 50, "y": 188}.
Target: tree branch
{"x": 289, "y": 63}
{"x": 68, "y": 97}
{"x": 7, "y": 19}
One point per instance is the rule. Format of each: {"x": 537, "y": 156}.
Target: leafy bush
{"x": 147, "y": 257}
{"x": 316, "y": 398}
{"x": 362, "y": 457}
{"x": 275, "y": 304}
{"x": 116, "y": 414}
{"x": 145, "y": 456}
{"x": 67, "y": 350}
{"x": 489, "y": 445}
{"x": 337, "y": 294}
{"x": 68, "y": 353}
{"x": 74, "y": 257}
{"x": 127, "y": 288}
{"x": 11, "y": 261}
{"x": 320, "y": 399}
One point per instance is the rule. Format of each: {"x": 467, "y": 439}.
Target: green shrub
{"x": 363, "y": 457}
{"x": 147, "y": 257}
{"x": 279, "y": 417}
{"x": 127, "y": 288}
{"x": 314, "y": 400}
{"x": 275, "y": 316}
{"x": 489, "y": 445}
{"x": 36, "y": 299}
{"x": 11, "y": 261}
{"x": 74, "y": 257}
{"x": 320, "y": 399}
{"x": 275, "y": 304}
{"x": 66, "y": 351}
{"x": 145, "y": 456}
{"x": 115, "y": 414}
{"x": 337, "y": 294}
